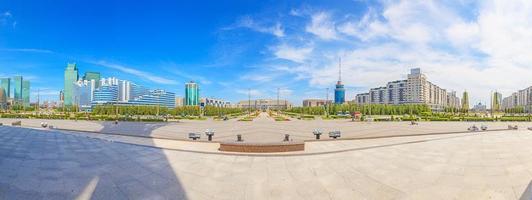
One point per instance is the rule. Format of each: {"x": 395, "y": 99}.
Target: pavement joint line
{"x": 268, "y": 154}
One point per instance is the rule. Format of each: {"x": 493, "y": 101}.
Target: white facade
{"x": 416, "y": 89}
{"x": 521, "y": 98}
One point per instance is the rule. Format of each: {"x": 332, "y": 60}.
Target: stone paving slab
{"x": 264, "y": 130}
{"x": 37, "y": 164}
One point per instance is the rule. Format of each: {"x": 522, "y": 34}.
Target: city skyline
{"x": 294, "y": 46}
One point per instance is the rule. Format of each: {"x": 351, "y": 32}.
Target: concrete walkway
{"x": 37, "y": 164}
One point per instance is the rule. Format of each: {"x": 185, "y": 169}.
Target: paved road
{"x": 37, "y": 164}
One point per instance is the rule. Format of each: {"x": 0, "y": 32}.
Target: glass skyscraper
{"x": 17, "y": 88}
{"x": 5, "y": 83}
{"x": 191, "y": 94}
{"x": 93, "y": 76}
{"x": 71, "y": 77}
{"x": 26, "y": 93}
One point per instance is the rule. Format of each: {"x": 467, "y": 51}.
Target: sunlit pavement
{"x": 42, "y": 164}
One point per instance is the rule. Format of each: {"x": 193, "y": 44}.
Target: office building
{"x": 71, "y": 76}
{"x": 3, "y": 99}
{"x": 265, "y": 104}
{"x": 416, "y": 89}
{"x": 17, "y": 89}
{"x": 496, "y": 101}
{"x": 453, "y": 101}
{"x": 93, "y": 76}
{"x": 339, "y": 90}
{"x": 179, "y": 101}
{"x": 105, "y": 94}
{"x": 5, "y": 83}
{"x": 191, "y": 94}
{"x": 155, "y": 98}
{"x": 465, "y": 101}
{"x": 315, "y": 102}
{"x": 26, "y": 93}
{"x": 219, "y": 103}
{"x": 83, "y": 94}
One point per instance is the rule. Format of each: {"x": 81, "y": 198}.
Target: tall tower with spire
{"x": 339, "y": 91}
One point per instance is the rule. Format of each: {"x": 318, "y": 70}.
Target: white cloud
{"x": 322, "y": 26}
{"x": 138, "y": 73}
{"x": 291, "y": 53}
{"x": 253, "y": 93}
{"x": 487, "y": 49}
{"x": 247, "y": 22}
{"x": 29, "y": 50}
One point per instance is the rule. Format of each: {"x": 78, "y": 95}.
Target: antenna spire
{"x": 339, "y": 69}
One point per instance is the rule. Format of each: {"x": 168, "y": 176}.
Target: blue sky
{"x": 232, "y": 46}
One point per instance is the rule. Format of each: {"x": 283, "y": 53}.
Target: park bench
{"x": 16, "y": 123}
{"x": 413, "y": 123}
{"x": 483, "y": 128}
{"x": 194, "y": 136}
{"x": 473, "y": 128}
{"x": 510, "y": 127}
{"x": 335, "y": 134}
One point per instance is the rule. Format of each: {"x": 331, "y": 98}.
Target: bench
{"x": 335, "y": 134}
{"x": 473, "y": 128}
{"x": 510, "y": 127}
{"x": 413, "y": 123}
{"x": 16, "y": 123}
{"x": 483, "y": 128}
{"x": 194, "y": 136}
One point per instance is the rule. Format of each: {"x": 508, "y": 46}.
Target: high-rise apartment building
{"x": 70, "y": 78}
{"x": 416, "y": 89}
{"x": 191, "y": 94}
{"x": 5, "y": 83}
{"x": 26, "y": 93}
{"x": 3, "y": 99}
{"x": 496, "y": 101}
{"x": 521, "y": 98}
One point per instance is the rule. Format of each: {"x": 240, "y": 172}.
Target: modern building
{"x": 3, "y": 99}
{"x": 17, "y": 89}
{"x": 496, "y": 101}
{"x": 154, "y": 98}
{"x": 93, "y": 76}
{"x": 26, "y": 93}
{"x": 105, "y": 94}
{"x": 453, "y": 101}
{"x": 521, "y": 98}
{"x": 5, "y": 83}
{"x": 465, "y": 101}
{"x": 219, "y": 103}
{"x": 179, "y": 101}
{"x": 265, "y": 104}
{"x": 479, "y": 107}
{"x": 339, "y": 90}
{"x": 362, "y": 98}
{"x": 191, "y": 94}
{"x": 416, "y": 89}
{"x": 70, "y": 78}
{"x": 83, "y": 94}
{"x": 315, "y": 102}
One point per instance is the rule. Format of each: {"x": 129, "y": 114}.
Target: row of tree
{"x": 366, "y": 109}
{"x": 161, "y": 110}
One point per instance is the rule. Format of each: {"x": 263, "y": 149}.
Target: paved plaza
{"x": 53, "y": 164}
{"x": 263, "y": 128}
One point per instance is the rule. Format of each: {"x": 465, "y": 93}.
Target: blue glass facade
{"x": 156, "y": 97}
{"x": 106, "y": 94}
{"x": 339, "y": 93}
